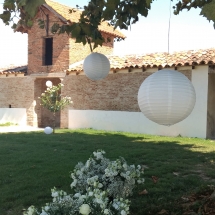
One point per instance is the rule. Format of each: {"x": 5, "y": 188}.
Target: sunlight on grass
{"x": 32, "y": 163}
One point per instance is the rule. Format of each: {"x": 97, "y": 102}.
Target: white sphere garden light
{"x": 48, "y": 83}
{"x": 48, "y": 130}
{"x": 166, "y": 97}
{"x": 96, "y": 66}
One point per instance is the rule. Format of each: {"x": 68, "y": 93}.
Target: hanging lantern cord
{"x": 169, "y": 24}
{"x": 89, "y": 42}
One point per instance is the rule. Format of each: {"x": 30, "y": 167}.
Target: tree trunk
{"x": 54, "y": 122}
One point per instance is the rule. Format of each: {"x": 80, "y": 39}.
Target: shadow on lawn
{"x": 181, "y": 165}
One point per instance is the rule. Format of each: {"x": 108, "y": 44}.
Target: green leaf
{"x": 5, "y": 16}
{"x": 32, "y": 6}
{"x": 148, "y": 3}
{"x": 208, "y": 11}
{"x": 41, "y": 23}
{"x": 29, "y": 23}
{"x": 86, "y": 28}
{"x": 55, "y": 27}
{"x": 9, "y": 5}
{"x": 61, "y": 29}
{"x": 76, "y": 30}
{"x": 21, "y": 3}
{"x": 14, "y": 26}
{"x": 112, "y": 4}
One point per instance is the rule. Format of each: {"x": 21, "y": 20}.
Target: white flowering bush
{"x": 100, "y": 187}
{"x": 117, "y": 178}
{"x": 52, "y": 100}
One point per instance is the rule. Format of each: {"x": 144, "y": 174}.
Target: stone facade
{"x": 19, "y": 93}
{"x": 117, "y": 92}
{"x": 36, "y": 42}
{"x": 65, "y": 50}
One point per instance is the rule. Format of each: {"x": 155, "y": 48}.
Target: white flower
{"x": 46, "y": 208}
{"x": 127, "y": 177}
{"x": 123, "y": 212}
{"x": 43, "y": 213}
{"x": 77, "y": 195}
{"x": 98, "y": 155}
{"x": 100, "y": 185}
{"x": 55, "y": 194}
{"x": 82, "y": 197}
{"x": 91, "y": 193}
{"x": 72, "y": 175}
{"x": 31, "y": 210}
{"x": 85, "y": 209}
{"x": 74, "y": 183}
{"x": 106, "y": 211}
{"x": 116, "y": 206}
{"x": 125, "y": 166}
{"x": 88, "y": 164}
{"x": 78, "y": 172}
{"x": 99, "y": 201}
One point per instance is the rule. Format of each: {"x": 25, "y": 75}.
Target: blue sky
{"x": 188, "y": 31}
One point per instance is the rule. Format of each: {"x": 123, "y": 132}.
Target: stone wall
{"x": 65, "y": 50}
{"x": 36, "y": 41}
{"x": 19, "y": 93}
{"x": 117, "y": 92}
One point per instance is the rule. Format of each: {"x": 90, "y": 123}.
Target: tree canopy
{"x": 118, "y": 13}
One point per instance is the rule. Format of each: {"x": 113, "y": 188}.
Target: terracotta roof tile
{"x": 183, "y": 58}
{"x": 15, "y": 70}
{"x": 63, "y": 10}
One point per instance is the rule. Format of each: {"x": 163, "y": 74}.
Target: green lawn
{"x": 32, "y": 163}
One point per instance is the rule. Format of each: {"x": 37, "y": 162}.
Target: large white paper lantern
{"x": 48, "y": 130}
{"x": 166, "y": 97}
{"x": 96, "y": 66}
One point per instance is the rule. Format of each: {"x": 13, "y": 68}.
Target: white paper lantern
{"x": 48, "y": 130}
{"x": 166, "y": 97}
{"x": 96, "y": 66}
{"x": 48, "y": 83}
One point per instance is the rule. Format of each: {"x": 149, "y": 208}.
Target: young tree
{"x": 53, "y": 100}
{"x": 119, "y": 13}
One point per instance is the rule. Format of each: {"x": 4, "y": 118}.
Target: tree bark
{"x": 54, "y": 122}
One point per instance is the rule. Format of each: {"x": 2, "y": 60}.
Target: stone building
{"x": 111, "y": 103}
{"x": 49, "y": 55}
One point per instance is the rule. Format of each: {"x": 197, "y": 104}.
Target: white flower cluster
{"x": 100, "y": 187}
{"x": 92, "y": 202}
{"x": 116, "y": 177}
{"x": 52, "y": 99}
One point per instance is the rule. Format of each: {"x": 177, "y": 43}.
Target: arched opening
{"x": 44, "y": 116}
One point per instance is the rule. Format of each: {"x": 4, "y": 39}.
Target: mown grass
{"x": 7, "y": 124}
{"x": 32, "y": 163}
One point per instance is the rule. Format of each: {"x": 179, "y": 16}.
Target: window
{"x": 48, "y": 51}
